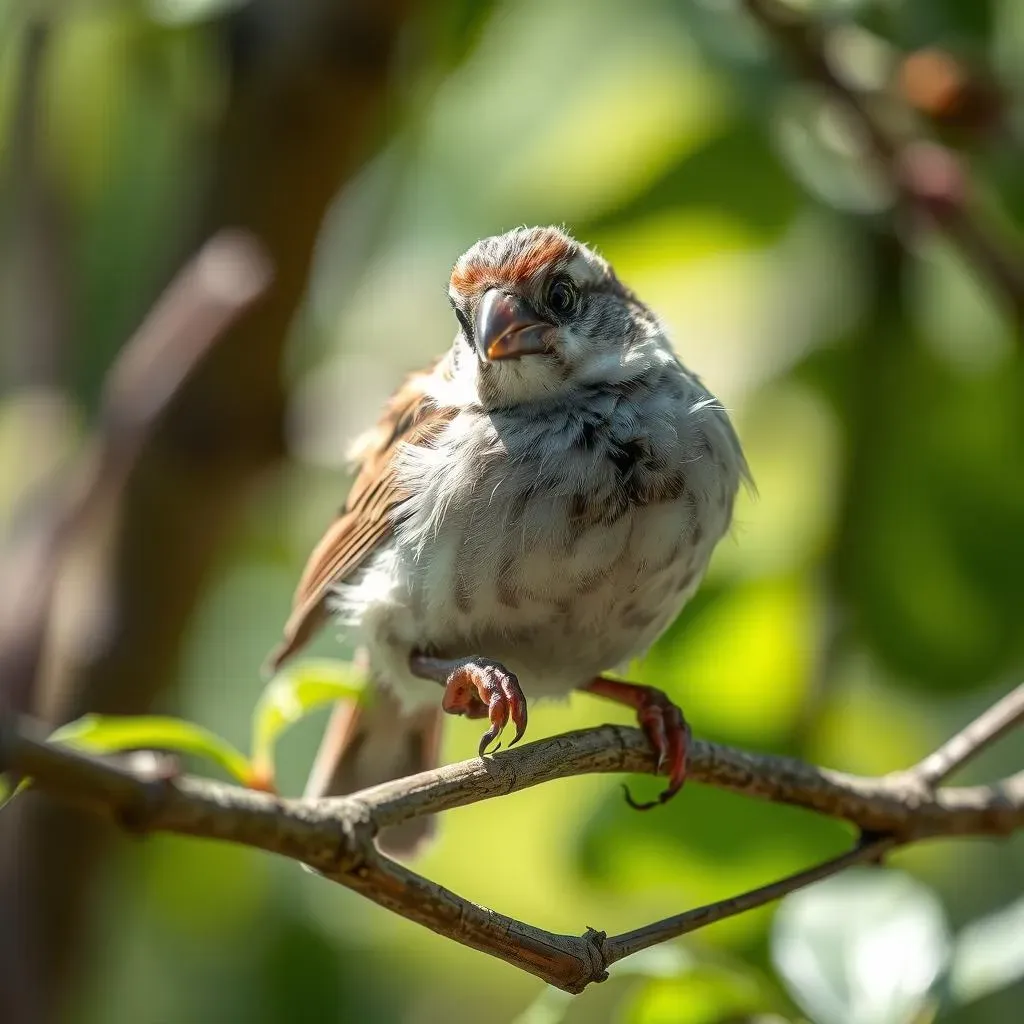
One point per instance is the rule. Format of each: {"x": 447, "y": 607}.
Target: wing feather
{"x": 411, "y": 417}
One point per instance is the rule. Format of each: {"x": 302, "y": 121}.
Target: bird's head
{"x": 540, "y": 314}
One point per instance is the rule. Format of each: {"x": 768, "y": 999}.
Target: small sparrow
{"x": 532, "y": 511}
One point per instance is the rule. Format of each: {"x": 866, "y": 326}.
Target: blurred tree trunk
{"x": 308, "y": 85}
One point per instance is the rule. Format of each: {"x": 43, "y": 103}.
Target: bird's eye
{"x": 562, "y": 296}
{"x": 463, "y": 323}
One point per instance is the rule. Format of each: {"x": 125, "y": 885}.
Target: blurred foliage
{"x": 96, "y": 734}
{"x": 287, "y": 698}
{"x": 869, "y": 947}
{"x": 869, "y": 602}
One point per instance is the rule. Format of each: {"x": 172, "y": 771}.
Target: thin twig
{"x": 335, "y": 835}
{"x": 619, "y": 946}
{"x": 222, "y": 281}
{"x": 989, "y": 726}
{"x": 34, "y": 251}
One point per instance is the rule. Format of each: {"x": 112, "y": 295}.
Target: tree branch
{"x": 623, "y": 945}
{"x": 335, "y": 836}
{"x": 988, "y": 727}
{"x": 220, "y": 283}
{"x": 928, "y": 176}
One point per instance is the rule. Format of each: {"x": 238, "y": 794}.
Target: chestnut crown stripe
{"x": 549, "y": 250}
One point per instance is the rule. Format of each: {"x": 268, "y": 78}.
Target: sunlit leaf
{"x": 101, "y": 734}
{"x": 9, "y": 792}
{"x": 712, "y": 987}
{"x": 863, "y": 948}
{"x": 294, "y": 694}
{"x": 988, "y": 954}
{"x": 704, "y": 995}
{"x": 754, "y": 644}
{"x": 715, "y": 174}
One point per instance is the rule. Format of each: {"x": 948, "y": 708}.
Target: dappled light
{"x": 823, "y": 203}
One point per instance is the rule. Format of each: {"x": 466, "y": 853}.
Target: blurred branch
{"x": 619, "y": 946}
{"x": 926, "y": 175}
{"x": 305, "y": 97}
{"x": 216, "y": 287}
{"x": 34, "y": 256}
{"x": 1003, "y": 716}
{"x": 219, "y": 284}
{"x": 335, "y": 836}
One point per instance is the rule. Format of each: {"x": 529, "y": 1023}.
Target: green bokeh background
{"x": 869, "y": 601}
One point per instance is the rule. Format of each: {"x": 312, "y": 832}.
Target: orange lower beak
{"x": 508, "y": 328}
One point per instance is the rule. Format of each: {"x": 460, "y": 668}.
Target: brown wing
{"x": 410, "y": 417}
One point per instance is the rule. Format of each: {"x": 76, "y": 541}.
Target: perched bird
{"x": 530, "y": 512}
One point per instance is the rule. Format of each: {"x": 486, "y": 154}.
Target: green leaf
{"x": 988, "y": 954}
{"x": 296, "y": 693}
{"x": 7, "y": 794}
{"x": 101, "y": 734}
{"x": 714, "y": 175}
{"x": 677, "y": 986}
{"x": 706, "y": 994}
{"x": 685, "y": 985}
{"x": 866, "y": 947}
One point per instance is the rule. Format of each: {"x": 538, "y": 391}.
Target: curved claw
{"x": 486, "y": 740}
{"x": 498, "y": 711}
{"x": 664, "y": 726}
{"x": 479, "y": 688}
{"x": 669, "y": 735}
{"x": 636, "y": 804}
{"x": 516, "y": 705}
{"x": 652, "y": 721}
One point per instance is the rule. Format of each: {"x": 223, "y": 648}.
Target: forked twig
{"x": 335, "y": 836}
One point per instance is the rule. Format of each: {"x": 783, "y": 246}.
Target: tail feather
{"x": 365, "y": 745}
{"x": 303, "y": 622}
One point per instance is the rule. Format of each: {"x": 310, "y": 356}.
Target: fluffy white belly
{"x": 560, "y": 560}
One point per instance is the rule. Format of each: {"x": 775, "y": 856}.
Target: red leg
{"x": 663, "y": 724}
{"x": 477, "y": 688}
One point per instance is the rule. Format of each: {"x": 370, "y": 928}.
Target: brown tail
{"x": 368, "y": 744}
{"x": 303, "y": 622}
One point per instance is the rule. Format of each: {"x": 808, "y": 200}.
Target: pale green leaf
{"x": 7, "y": 793}
{"x": 294, "y": 694}
{"x": 988, "y": 954}
{"x": 662, "y": 962}
{"x": 101, "y": 734}
{"x": 702, "y": 995}
{"x": 866, "y": 947}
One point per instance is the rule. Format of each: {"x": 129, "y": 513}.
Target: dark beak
{"x": 507, "y": 328}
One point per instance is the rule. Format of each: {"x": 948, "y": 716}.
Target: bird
{"x": 529, "y": 514}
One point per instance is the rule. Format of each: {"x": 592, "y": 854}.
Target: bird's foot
{"x": 477, "y": 688}
{"x": 664, "y": 726}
